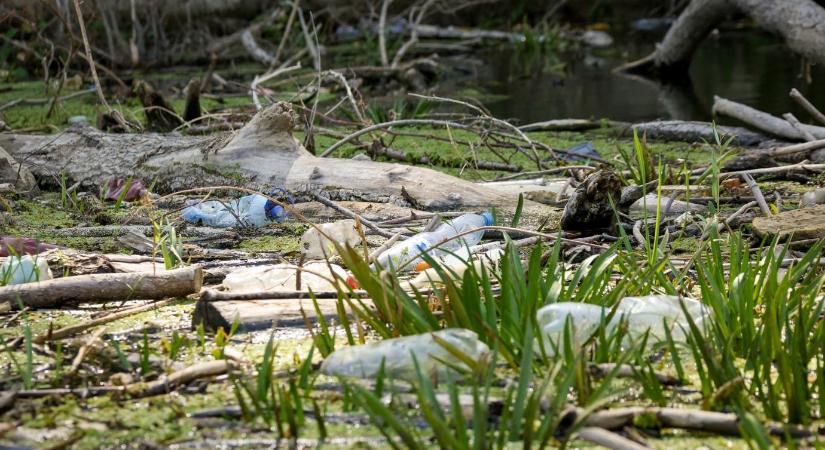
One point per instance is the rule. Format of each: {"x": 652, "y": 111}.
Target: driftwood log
{"x": 103, "y": 288}
{"x": 263, "y": 154}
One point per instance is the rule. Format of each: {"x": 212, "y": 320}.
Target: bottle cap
{"x": 488, "y": 218}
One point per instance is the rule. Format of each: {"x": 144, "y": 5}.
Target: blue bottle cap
{"x": 488, "y": 218}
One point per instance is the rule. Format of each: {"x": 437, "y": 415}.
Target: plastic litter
{"x": 24, "y": 269}
{"x": 640, "y": 313}
{"x": 364, "y": 361}
{"x": 406, "y": 254}
{"x": 315, "y": 246}
{"x": 283, "y": 278}
{"x": 251, "y": 211}
{"x": 812, "y": 198}
{"x": 455, "y": 265}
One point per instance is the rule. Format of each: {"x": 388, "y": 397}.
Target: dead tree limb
{"x": 104, "y": 288}
{"x": 764, "y": 121}
{"x": 672, "y": 55}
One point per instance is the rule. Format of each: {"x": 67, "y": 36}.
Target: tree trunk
{"x": 801, "y": 23}
{"x": 263, "y": 154}
{"x": 672, "y": 55}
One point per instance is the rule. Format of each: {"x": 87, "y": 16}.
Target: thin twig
{"x": 757, "y": 193}
{"x": 352, "y": 215}
{"x": 382, "y": 31}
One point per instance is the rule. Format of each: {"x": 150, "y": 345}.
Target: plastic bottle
{"x": 406, "y": 254}
{"x": 315, "y": 246}
{"x": 642, "y": 315}
{"x": 252, "y": 210}
{"x": 364, "y": 361}
{"x": 24, "y": 269}
{"x": 283, "y": 278}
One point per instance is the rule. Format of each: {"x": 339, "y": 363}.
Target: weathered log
{"x": 691, "y": 131}
{"x": 764, "y": 121}
{"x": 261, "y": 155}
{"x": 104, "y": 288}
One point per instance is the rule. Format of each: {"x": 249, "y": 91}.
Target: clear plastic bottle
{"x": 251, "y": 211}
{"x": 406, "y": 254}
{"x": 365, "y": 361}
{"x": 24, "y": 269}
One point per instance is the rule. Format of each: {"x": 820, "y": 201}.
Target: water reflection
{"x": 751, "y": 67}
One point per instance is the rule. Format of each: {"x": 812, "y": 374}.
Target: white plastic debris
{"x": 642, "y": 314}
{"x": 406, "y": 254}
{"x": 283, "y": 278}
{"x": 364, "y": 361}
{"x": 24, "y": 269}
{"x": 455, "y": 265}
{"x": 315, "y": 246}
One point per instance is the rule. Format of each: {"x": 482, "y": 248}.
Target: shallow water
{"x": 749, "y": 67}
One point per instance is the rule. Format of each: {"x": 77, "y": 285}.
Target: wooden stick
{"x": 608, "y": 439}
{"x": 791, "y": 119}
{"x": 104, "y": 288}
{"x": 808, "y": 106}
{"x": 757, "y": 193}
{"x": 87, "y": 348}
{"x": 368, "y": 223}
{"x": 183, "y": 376}
{"x": 802, "y": 166}
{"x": 71, "y": 330}
{"x": 378, "y": 251}
{"x": 798, "y": 148}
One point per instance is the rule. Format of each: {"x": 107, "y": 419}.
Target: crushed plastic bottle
{"x": 283, "y": 278}
{"x": 454, "y": 266}
{"x": 315, "y": 246}
{"x": 364, "y": 361}
{"x": 406, "y": 254}
{"x": 24, "y": 269}
{"x": 250, "y": 211}
{"x": 642, "y": 314}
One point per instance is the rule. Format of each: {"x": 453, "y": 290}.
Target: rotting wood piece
{"x": 104, "y": 288}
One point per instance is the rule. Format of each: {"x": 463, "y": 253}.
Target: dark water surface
{"x": 748, "y": 67}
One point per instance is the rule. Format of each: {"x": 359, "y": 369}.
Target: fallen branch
{"x": 104, "y": 288}
{"x": 685, "y": 419}
{"x": 608, "y": 439}
{"x": 367, "y": 223}
{"x": 72, "y": 330}
{"x": 808, "y": 106}
{"x": 183, "y": 376}
{"x": 762, "y": 120}
{"x": 561, "y": 125}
